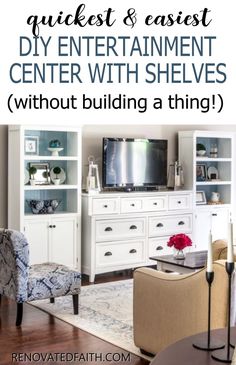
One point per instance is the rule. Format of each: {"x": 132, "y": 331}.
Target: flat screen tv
{"x": 134, "y": 163}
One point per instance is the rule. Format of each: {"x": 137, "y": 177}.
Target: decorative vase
{"x": 57, "y": 181}
{"x": 179, "y": 255}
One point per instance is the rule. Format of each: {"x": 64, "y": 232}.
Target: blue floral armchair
{"x": 22, "y": 282}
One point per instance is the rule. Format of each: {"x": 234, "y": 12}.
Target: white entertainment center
{"x": 122, "y": 230}
{"x": 119, "y": 230}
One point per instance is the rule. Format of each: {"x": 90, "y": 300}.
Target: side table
{"x": 183, "y": 353}
{"x": 193, "y": 261}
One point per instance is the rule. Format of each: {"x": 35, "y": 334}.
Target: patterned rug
{"x": 106, "y": 311}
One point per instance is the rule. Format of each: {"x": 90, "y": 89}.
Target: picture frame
{"x": 31, "y": 145}
{"x": 42, "y": 176}
{"x": 201, "y": 172}
{"x": 200, "y": 197}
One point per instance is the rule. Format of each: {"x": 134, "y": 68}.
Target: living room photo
{"x": 117, "y": 244}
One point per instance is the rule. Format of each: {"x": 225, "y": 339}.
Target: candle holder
{"x": 205, "y": 342}
{"x": 226, "y": 354}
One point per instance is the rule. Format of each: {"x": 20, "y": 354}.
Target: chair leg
{"x": 146, "y": 353}
{"x": 0, "y": 299}
{"x": 76, "y": 303}
{"x": 19, "y": 314}
{"x": 52, "y": 300}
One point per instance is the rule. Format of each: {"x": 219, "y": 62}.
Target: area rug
{"x": 105, "y": 310}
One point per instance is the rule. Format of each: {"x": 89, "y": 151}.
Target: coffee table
{"x": 183, "y": 353}
{"x": 192, "y": 262}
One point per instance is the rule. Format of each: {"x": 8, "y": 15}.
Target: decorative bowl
{"x": 201, "y": 152}
{"x": 47, "y": 206}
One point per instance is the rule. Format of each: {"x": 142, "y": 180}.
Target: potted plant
{"x": 57, "y": 171}
{"x": 32, "y": 172}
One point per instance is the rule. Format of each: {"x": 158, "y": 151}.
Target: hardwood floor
{"x": 42, "y": 333}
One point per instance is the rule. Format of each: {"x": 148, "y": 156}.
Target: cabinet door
{"x": 37, "y": 234}
{"x": 63, "y": 243}
{"x": 215, "y": 220}
{"x": 220, "y": 220}
{"x": 202, "y": 229}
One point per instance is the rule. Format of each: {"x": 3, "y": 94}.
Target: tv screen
{"x": 134, "y": 162}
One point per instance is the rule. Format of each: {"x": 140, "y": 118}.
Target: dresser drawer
{"x": 119, "y": 228}
{"x": 129, "y": 205}
{"x": 155, "y": 204}
{"x": 105, "y": 206}
{"x": 120, "y": 253}
{"x": 160, "y": 226}
{"x": 181, "y": 201}
{"x": 158, "y": 246}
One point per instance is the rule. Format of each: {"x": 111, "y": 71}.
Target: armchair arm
{"x": 220, "y": 250}
{"x": 14, "y": 265}
{"x": 170, "y": 307}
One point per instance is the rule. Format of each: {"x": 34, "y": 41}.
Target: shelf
{"x": 49, "y": 158}
{"x": 50, "y": 187}
{"x": 212, "y": 206}
{"x": 222, "y": 143}
{"x": 205, "y": 183}
{"x": 68, "y": 198}
{"x": 55, "y": 215}
{"x": 210, "y": 159}
{"x": 68, "y": 141}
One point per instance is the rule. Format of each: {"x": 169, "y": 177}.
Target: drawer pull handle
{"x": 53, "y": 226}
{"x": 159, "y": 225}
{"x": 108, "y": 229}
{"x": 132, "y": 205}
{"x": 133, "y": 250}
{"x": 159, "y": 248}
{"x": 214, "y": 214}
{"x": 105, "y": 206}
{"x": 155, "y": 203}
{"x": 179, "y": 201}
{"x": 133, "y": 227}
{"x": 108, "y": 253}
{"x": 50, "y": 226}
{"x": 181, "y": 223}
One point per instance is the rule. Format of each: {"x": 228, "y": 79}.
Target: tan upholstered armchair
{"x": 170, "y": 307}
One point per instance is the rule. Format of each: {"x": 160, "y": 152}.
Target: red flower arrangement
{"x": 179, "y": 241}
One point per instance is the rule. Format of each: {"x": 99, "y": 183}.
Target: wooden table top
{"x": 183, "y": 352}
{"x": 193, "y": 260}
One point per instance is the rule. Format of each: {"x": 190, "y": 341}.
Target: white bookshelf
{"x": 209, "y": 217}
{"x": 62, "y": 228}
